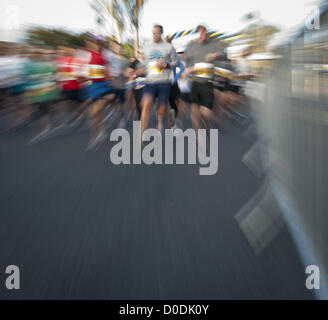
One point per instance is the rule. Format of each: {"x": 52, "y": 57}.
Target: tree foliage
{"x": 128, "y": 48}
{"x": 105, "y": 10}
{"x": 56, "y": 37}
{"x": 39, "y": 36}
{"x": 121, "y": 11}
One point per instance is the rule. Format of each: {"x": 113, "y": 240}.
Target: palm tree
{"x": 117, "y": 12}
{"x": 134, "y": 8}
{"x": 109, "y": 8}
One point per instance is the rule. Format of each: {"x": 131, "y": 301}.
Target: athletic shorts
{"x": 117, "y": 90}
{"x": 175, "y": 91}
{"x": 96, "y": 90}
{"x": 184, "y": 96}
{"x": 234, "y": 88}
{"x": 221, "y": 86}
{"x": 70, "y": 95}
{"x": 202, "y": 94}
{"x": 120, "y": 93}
{"x": 159, "y": 91}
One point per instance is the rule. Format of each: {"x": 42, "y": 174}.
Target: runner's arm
{"x": 182, "y": 68}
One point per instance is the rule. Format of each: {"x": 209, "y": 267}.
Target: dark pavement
{"x": 79, "y": 227}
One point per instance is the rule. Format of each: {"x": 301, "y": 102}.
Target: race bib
{"x": 204, "y": 70}
{"x": 153, "y": 69}
{"x": 96, "y": 71}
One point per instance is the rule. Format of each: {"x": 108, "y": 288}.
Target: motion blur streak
{"x": 292, "y": 122}
{"x": 79, "y": 227}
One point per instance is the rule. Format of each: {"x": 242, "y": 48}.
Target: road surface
{"x": 80, "y": 227}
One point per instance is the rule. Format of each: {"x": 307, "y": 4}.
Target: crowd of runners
{"x": 69, "y": 87}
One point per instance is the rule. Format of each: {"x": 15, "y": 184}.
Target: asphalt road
{"x": 79, "y": 227}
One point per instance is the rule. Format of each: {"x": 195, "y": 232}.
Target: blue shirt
{"x": 181, "y": 68}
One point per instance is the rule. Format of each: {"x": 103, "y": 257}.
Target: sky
{"x": 174, "y": 15}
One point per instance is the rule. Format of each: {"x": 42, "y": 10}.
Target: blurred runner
{"x": 160, "y": 58}
{"x": 184, "y": 83}
{"x": 14, "y": 112}
{"x": 95, "y": 89}
{"x": 175, "y": 91}
{"x": 41, "y": 89}
{"x": 67, "y": 68}
{"x": 136, "y": 84}
{"x": 200, "y": 56}
{"x": 118, "y": 65}
{"x": 244, "y": 71}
